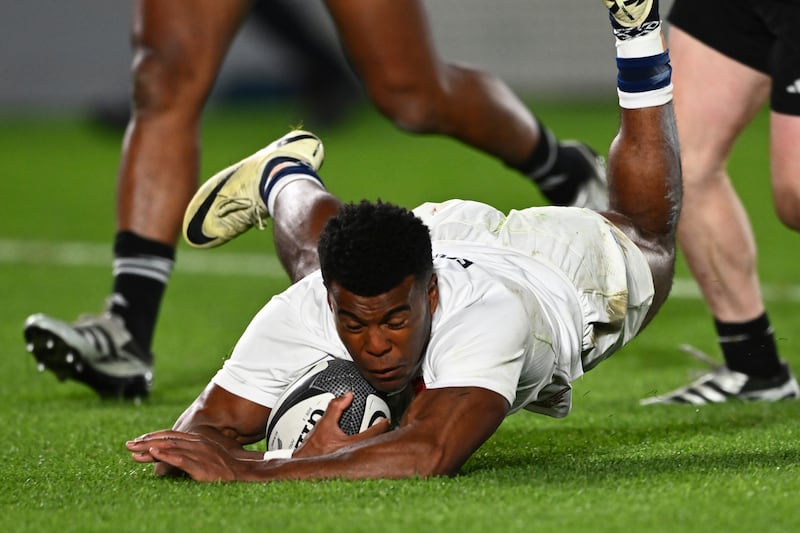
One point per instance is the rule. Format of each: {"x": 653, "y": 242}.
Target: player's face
{"x": 386, "y": 334}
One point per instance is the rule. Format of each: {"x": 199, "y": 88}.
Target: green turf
{"x": 610, "y": 466}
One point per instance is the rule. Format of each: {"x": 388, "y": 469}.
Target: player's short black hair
{"x": 369, "y": 248}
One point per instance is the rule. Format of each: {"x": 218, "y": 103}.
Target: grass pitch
{"x": 610, "y": 466}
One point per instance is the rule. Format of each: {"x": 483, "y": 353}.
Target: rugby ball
{"x": 304, "y": 402}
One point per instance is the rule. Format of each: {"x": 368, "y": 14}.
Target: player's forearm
{"x": 198, "y": 419}
{"x": 387, "y": 458}
{"x": 435, "y": 438}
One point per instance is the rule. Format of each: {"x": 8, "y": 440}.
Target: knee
{"x": 411, "y": 105}
{"x": 702, "y": 168}
{"x": 163, "y": 79}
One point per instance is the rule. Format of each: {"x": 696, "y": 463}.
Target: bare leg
{"x": 390, "y": 46}
{"x": 645, "y": 188}
{"x": 714, "y": 230}
{"x": 178, "y": 47}
{"x": 301, "y": 211}
{"x": 644, "y": 167}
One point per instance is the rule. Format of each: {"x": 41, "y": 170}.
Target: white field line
{"x": 214, "y": 262}
{"x": 86, "y": 254}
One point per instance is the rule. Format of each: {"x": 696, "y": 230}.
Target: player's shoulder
{"x": 301, "y": 289}
{"x": 303, "y": 301}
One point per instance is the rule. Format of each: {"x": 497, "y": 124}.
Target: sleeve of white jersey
{"x": 483, "y": 346}
{"x": 281, "y": 340}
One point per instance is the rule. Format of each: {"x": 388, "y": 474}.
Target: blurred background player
{"x": 729, "y": 57}
{"x": 178, "y": 49}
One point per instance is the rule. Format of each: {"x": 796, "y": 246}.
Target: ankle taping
{"x": 272, "y": 185}
{"x": 644, "y": 81}
{"x": 647, "y": 42}
{"x": 639, "y": 74}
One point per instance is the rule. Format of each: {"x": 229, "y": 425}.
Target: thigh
{"x": 387, "y": 40}
{"x": 715, "y": 98}
{"x": 736, "y": 28}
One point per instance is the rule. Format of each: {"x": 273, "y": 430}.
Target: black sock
{"x": 141, "y": 271}
{"x": 749, "y": 347}
{"x": 557, "y": 170}
{"x": 543, "y": 157}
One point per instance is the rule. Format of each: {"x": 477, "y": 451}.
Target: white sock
{"x": 644, "y": 78}
{"x": 277, "y": 182}
{"x": 649, "y": 44}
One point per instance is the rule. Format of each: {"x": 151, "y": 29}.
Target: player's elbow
{"x": 409, "y": 112}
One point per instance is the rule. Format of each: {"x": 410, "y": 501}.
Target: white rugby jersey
{"x": 519, "y": 299}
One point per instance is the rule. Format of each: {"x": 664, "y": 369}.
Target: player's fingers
{"x": 142, "y": 442}
{"x": 171, "y": 457}
{"x": 160, "y": 434}
{"x": 142, "y": 457}
{"x": 380, "y": 426}
{"x": 337, "y": 406}
{"x": 197, "y": 466}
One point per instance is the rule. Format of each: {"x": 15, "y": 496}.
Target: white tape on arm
{"x": 278, "y": 454}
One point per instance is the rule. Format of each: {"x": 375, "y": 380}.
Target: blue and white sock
{"x": 644, "y": 77}
{"x": 271, "y": 186}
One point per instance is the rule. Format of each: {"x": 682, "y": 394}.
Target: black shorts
{"x": 762, "y": 34}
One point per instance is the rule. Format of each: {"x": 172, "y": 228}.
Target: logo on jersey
{"x": 460, "y": 260}
{"x": 794, "y": 88}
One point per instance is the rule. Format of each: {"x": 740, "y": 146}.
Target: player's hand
{"x": 196, "y": 455}
{"x": 327, "y": 436}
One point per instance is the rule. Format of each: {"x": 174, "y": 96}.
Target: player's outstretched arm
{"x": 440, "y": 431}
